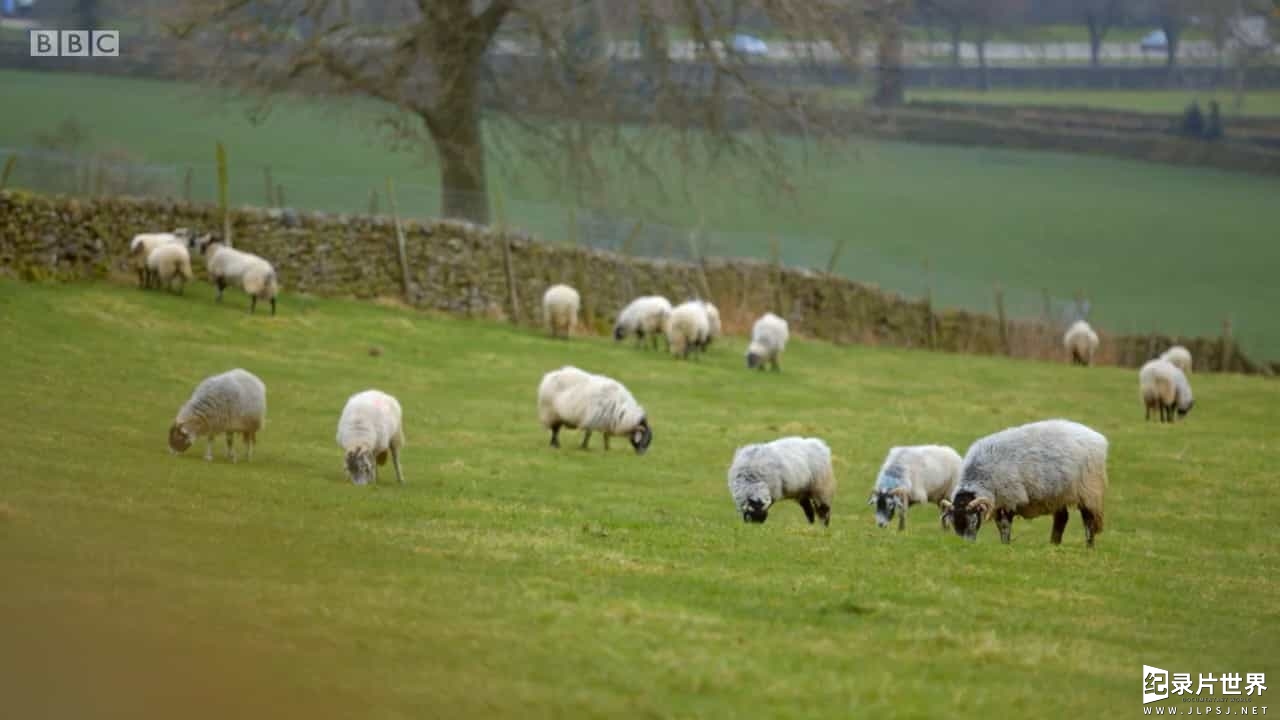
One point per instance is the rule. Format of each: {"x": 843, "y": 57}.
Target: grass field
{"x": 509, "y": 579}
{"x": 1156, "y": 247}
{"x": 1259, "y": 103}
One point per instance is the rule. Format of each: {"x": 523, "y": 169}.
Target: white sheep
{"x": 228, "y": 266}
{"x": 142, "y": 244}
{"x": 687, "y": 328}
{"x": 1081, "y": 342}
{"x": 1163, "y": 386}
{"x": 167, "y": 263}
{"x": 911, "y": 475}
{"x": 370, "y": 427}
{"x": 713, "y": 323}
{"x": 233, "y": 402}
{"x": 769, "y": 337}
{"x": 1031, "y": 470}
{"x": 560, "y": 310}
{"x": 1180, "y": 357}
{"x": 644, "y": 317}
{"x": 576, "y": 399}
{"x": 789, "y": 468}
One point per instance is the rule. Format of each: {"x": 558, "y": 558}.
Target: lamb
{"x": 1162, "y": 385}
{"x": 687, "y": 328}
{"x": 768, "y": 340}
{"x": 1180, "y": 357}
{"x": 143, "y": 243}
{"x": 789, "y": 468}
{"x": 575, "y": 399}
{"x": 1031, "y": 470}
{"x": 713, "y": 323}
{"x": 912, "y": 475}
{"x": 170, "y": 262}
{"x": 560, "y": 310}
{"x": 370, "y": 428}
{"x": 1082, "y": 342}
{"x": 643, "y": 317}
{"x": 233, "y": 402}
{"x": 227, "y": 265}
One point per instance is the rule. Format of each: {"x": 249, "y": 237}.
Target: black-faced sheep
{"x": 228, "y": 266}
{"x": 576, "y": 399}
{"x": 688, "y": 328}
{"x": 369, "y": 429}
{"x": 1180, "y": 357}
{"x": 560, "y": 310}
{"x": 233, "y": 402}
{"x": 644, "y": 317}
{"x": 1163, "y": 386}
{"x": 911, "y": 475}
{"x": 1081, "y": 342}
{"x": 768, "y": 339}
{"x": 790, "y": 468}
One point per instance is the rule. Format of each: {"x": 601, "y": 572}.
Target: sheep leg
{"x": 249, "y": 441}
{"x": 231, "y": 451}
{"x": 902, "y": 519}
{"x": 1004, "y": 521}
{"x": 1148, "y": 418}
{"x": 1060, "y": 519}
{"x": 776, "y": 366}
{"x": 395, "y": 460}
{"x": 221, "y": 285}
{"x": 208, "y": 448}
{"x": 586, "y": 438}
{"x": 824, "y": 512}
{"x": 806, "y": 504}
{"x": 273, "y": 307}
{"x": 253, "y": 304}
{"x": 606, "y": 441}
{"x": 555, "y": 435}
{"x": 1092, "y": 525}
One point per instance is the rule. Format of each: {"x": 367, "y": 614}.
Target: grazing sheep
{"x": 768, "y": 340}
{"x": 1031, "y": 470}
{"x": 1180, "y": 357}
{"x": 1162, "y": 385}
{"x": 143, "y": 243}
{"x": 576, "y": 399}
{"x": 912, "y": 475}
{"x": 167, "y": 263}
{"x": 687, "y": 328}
{"x": 368, "y": 430}
{"x": 228, "y": 266}
{"x": 713, "y": 323}
{"x": 233, "y": 402}
{"x": 790, "y": 468}
{"x": 560, "y": 310}
{"x": 643, "y": 317}
{"x": 1082, "y": 342}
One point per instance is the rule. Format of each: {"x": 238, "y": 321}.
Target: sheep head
{"x": 887, "y": 503}
{"x": 966, "y": 513}
{"x": 359, "y": 463}
{"x": 641, "y": 436}
{"x": 179, "y": 438}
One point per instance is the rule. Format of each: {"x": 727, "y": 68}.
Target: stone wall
{"x": 462, "y": 269}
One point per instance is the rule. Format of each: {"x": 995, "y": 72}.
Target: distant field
{"x": 1156, "y": 247}
{"x": 1259, "y": 103}
{"x": 506, "y": 579}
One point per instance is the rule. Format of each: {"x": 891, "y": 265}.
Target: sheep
{"x": 1180, "y": 357}
{"x": 575, "y": 399}
{"x": 768, "y": 340}
{"x": 143, "y": 243}
{"x": 170, "y": 262}
{"x": 1031, "y": 470}
{"x": 643, "y": 317}
{"x": 560, "y": 310}
{"x": 1081, "y": 342}
{"x": 227, "y": 265}
{"x": 370, "y": 427}
{"x": 233, "y": 402}
{"x": 687, "y": 328}
{"x": 1162, "y": 385}
{"x": 789, "y": 468}
{"x": 713, "y": 324}
{"x": 911, "y": 475}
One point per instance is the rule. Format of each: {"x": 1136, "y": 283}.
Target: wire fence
{"x": 106, "y": 173}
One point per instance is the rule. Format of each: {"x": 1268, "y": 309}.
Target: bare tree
{"x": 887, "y": 18}
{"x": 459, "y": 74}
{"x": 1172, "y": 16}
{"x": 1099, "y": 17}
{"x": 985, "y": 17}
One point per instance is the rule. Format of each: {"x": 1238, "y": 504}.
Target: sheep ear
{"x": 945, "y": 505}
{"x": 871, "y": 499}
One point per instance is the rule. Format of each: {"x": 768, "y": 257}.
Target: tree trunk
{"x": 889, "y": 90}
{"x": 1095, "y": 41}
{"x": 956, "y": 35}
{"x": 459, "y": 143}
{"x": 1172, "y": 36}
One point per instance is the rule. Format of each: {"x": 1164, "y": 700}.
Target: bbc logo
{"x": 75, "y": 43}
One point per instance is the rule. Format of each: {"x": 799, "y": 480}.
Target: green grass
{"x": 1156, "y": 247}
{"x": 509, "y": 579}
{"x": 1258, "y": 103}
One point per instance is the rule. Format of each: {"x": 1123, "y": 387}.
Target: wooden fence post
{"x": 1225, "y": 355}
{"x": 395, "y": 220}
{"x": 280, "y": 195}
{"x": 775, "y": 260}
{"x": 507, "y": 261}
{"x": 269, "y": 186}
{"x": 186, "y": 185}
{"x": 1004, "y": 323}
{"x": 930, "y": 327}
{"x": 373, "y": 201}
{"x": 628, "y": 250}
{"x": 836, "y": 249}
{"x": 696, "y": 251}
{"x": 221, "y": 154}
{"x": 8, "y": 170}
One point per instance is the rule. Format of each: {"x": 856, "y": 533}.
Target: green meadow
{"x": 509, "y": 579}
